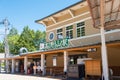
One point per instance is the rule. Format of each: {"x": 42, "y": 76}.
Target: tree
{"x": 1, "y": 47}
{"x": 26, "y": 39}
{"x": 13, "y": 31}
{"x": 13, "y": 37}
{"x": 29, "y": 39}
{"x": 39, "y": 37}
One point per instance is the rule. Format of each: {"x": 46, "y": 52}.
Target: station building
{"x": 71, "y": 39}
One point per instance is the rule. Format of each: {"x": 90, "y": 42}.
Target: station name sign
{"x": 57, "y": 44}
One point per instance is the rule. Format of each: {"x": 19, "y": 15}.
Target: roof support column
{"x": 13, "y": 65}
{"x": 104, "y": 55}
{"x": 43, "y": 64}
{"x": 7, "y": 66}
{"x": 104, "y": 50}
{"x": 25, "y": 64}
{"x": 65, "y": 61}
{"x": 0, "y": 66}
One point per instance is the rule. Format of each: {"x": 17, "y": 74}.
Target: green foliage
{"x": 13, "y": 31}
{"x": 12, "y": 44}
{"x": 26, "y": 39}
{"x": 39, "y": 36}
{"x": 1, "y": 47}
{"x": 13, "y": 37}
{"x": 29, "y": 39}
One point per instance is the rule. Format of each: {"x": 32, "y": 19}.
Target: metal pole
{"x": 104, "y": 50}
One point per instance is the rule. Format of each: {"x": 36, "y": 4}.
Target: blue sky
{"x": 21, "y": 13}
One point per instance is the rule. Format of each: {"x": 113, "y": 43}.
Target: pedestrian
{"x": 34, "y": 68}
{"x": 39, "y": 69}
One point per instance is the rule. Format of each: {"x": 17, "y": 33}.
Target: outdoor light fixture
{"x": 92, "y": 49}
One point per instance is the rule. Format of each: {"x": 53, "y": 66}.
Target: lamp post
{"x": 6, "y": 23}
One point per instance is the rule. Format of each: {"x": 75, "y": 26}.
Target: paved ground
{"x": 23, "y": 77}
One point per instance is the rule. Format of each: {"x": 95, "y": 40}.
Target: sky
{"x": 21, "y": 13}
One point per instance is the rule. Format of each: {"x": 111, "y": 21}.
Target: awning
{"x": 111, "y": 13}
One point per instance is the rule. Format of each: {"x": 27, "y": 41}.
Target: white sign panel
{"x": 42, "y": 46}
{"x": 54, "y": 61}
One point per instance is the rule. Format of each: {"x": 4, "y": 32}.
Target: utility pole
{"x": 6, "y": 23}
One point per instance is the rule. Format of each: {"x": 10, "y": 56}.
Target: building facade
{"x": 84, "y": 41}
{"x": 70, "y": 38}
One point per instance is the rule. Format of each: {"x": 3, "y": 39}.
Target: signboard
{"x": 42, "y": 46}
{"x": 51, "y": 36}
{"x": 61, "y": 43}
{"x": 54, "y": 61}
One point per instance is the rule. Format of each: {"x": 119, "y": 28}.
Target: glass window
{"x": 69, "y": 32}
{"x": 60, "y": 33}
{"x": 80, "y": 29}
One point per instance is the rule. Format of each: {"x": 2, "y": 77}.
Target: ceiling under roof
{"x": 64, "y": 14}
{"x": 111, "y": 13}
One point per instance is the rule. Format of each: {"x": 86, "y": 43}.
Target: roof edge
{"x": 36, "y": 21}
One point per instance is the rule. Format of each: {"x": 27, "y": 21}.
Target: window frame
{"x": 59, "y": 33}
{"x": 80, "y": 27}
{"x": 69, "y": 31}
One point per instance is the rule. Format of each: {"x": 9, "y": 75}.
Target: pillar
{"x": 13, "y": 65}
{"x": 7, "y": 66}
{"x": 65, "y": 61}
{"x": 25, "y": 64}
{"x": 43, "y": 64}
{"x": 104, "y": 55}
{"x": 0, "y": 66}
{"x": 103, "y": 47}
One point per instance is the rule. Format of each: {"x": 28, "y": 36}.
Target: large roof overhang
{"x": 64, "y": 14}
{"x": 111, "y": 13}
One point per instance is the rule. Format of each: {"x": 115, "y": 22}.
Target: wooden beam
{"x": 111, "y": 9}
{"x": 112, "y": 27}
{"x": 102, "y": 20}
{"x": 112, "y": 23}
{"x": 107, "y": 14}
{"x": 54, "y": 20}
{"x": 90, "y": 8}
{"x": 71, "y": 13}
{"x": 99, "y": 4}
{"x": 118, "y": 11}
{"x": 44, "y": 23}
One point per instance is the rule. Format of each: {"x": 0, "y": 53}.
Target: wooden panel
{"x": 54, "y": 70}
{"x": 93, "y": 67}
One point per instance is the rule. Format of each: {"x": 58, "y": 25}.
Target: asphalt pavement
{"x": 4, "y": 76}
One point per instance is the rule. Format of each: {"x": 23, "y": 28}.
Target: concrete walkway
{"x": 23, "y": 77}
